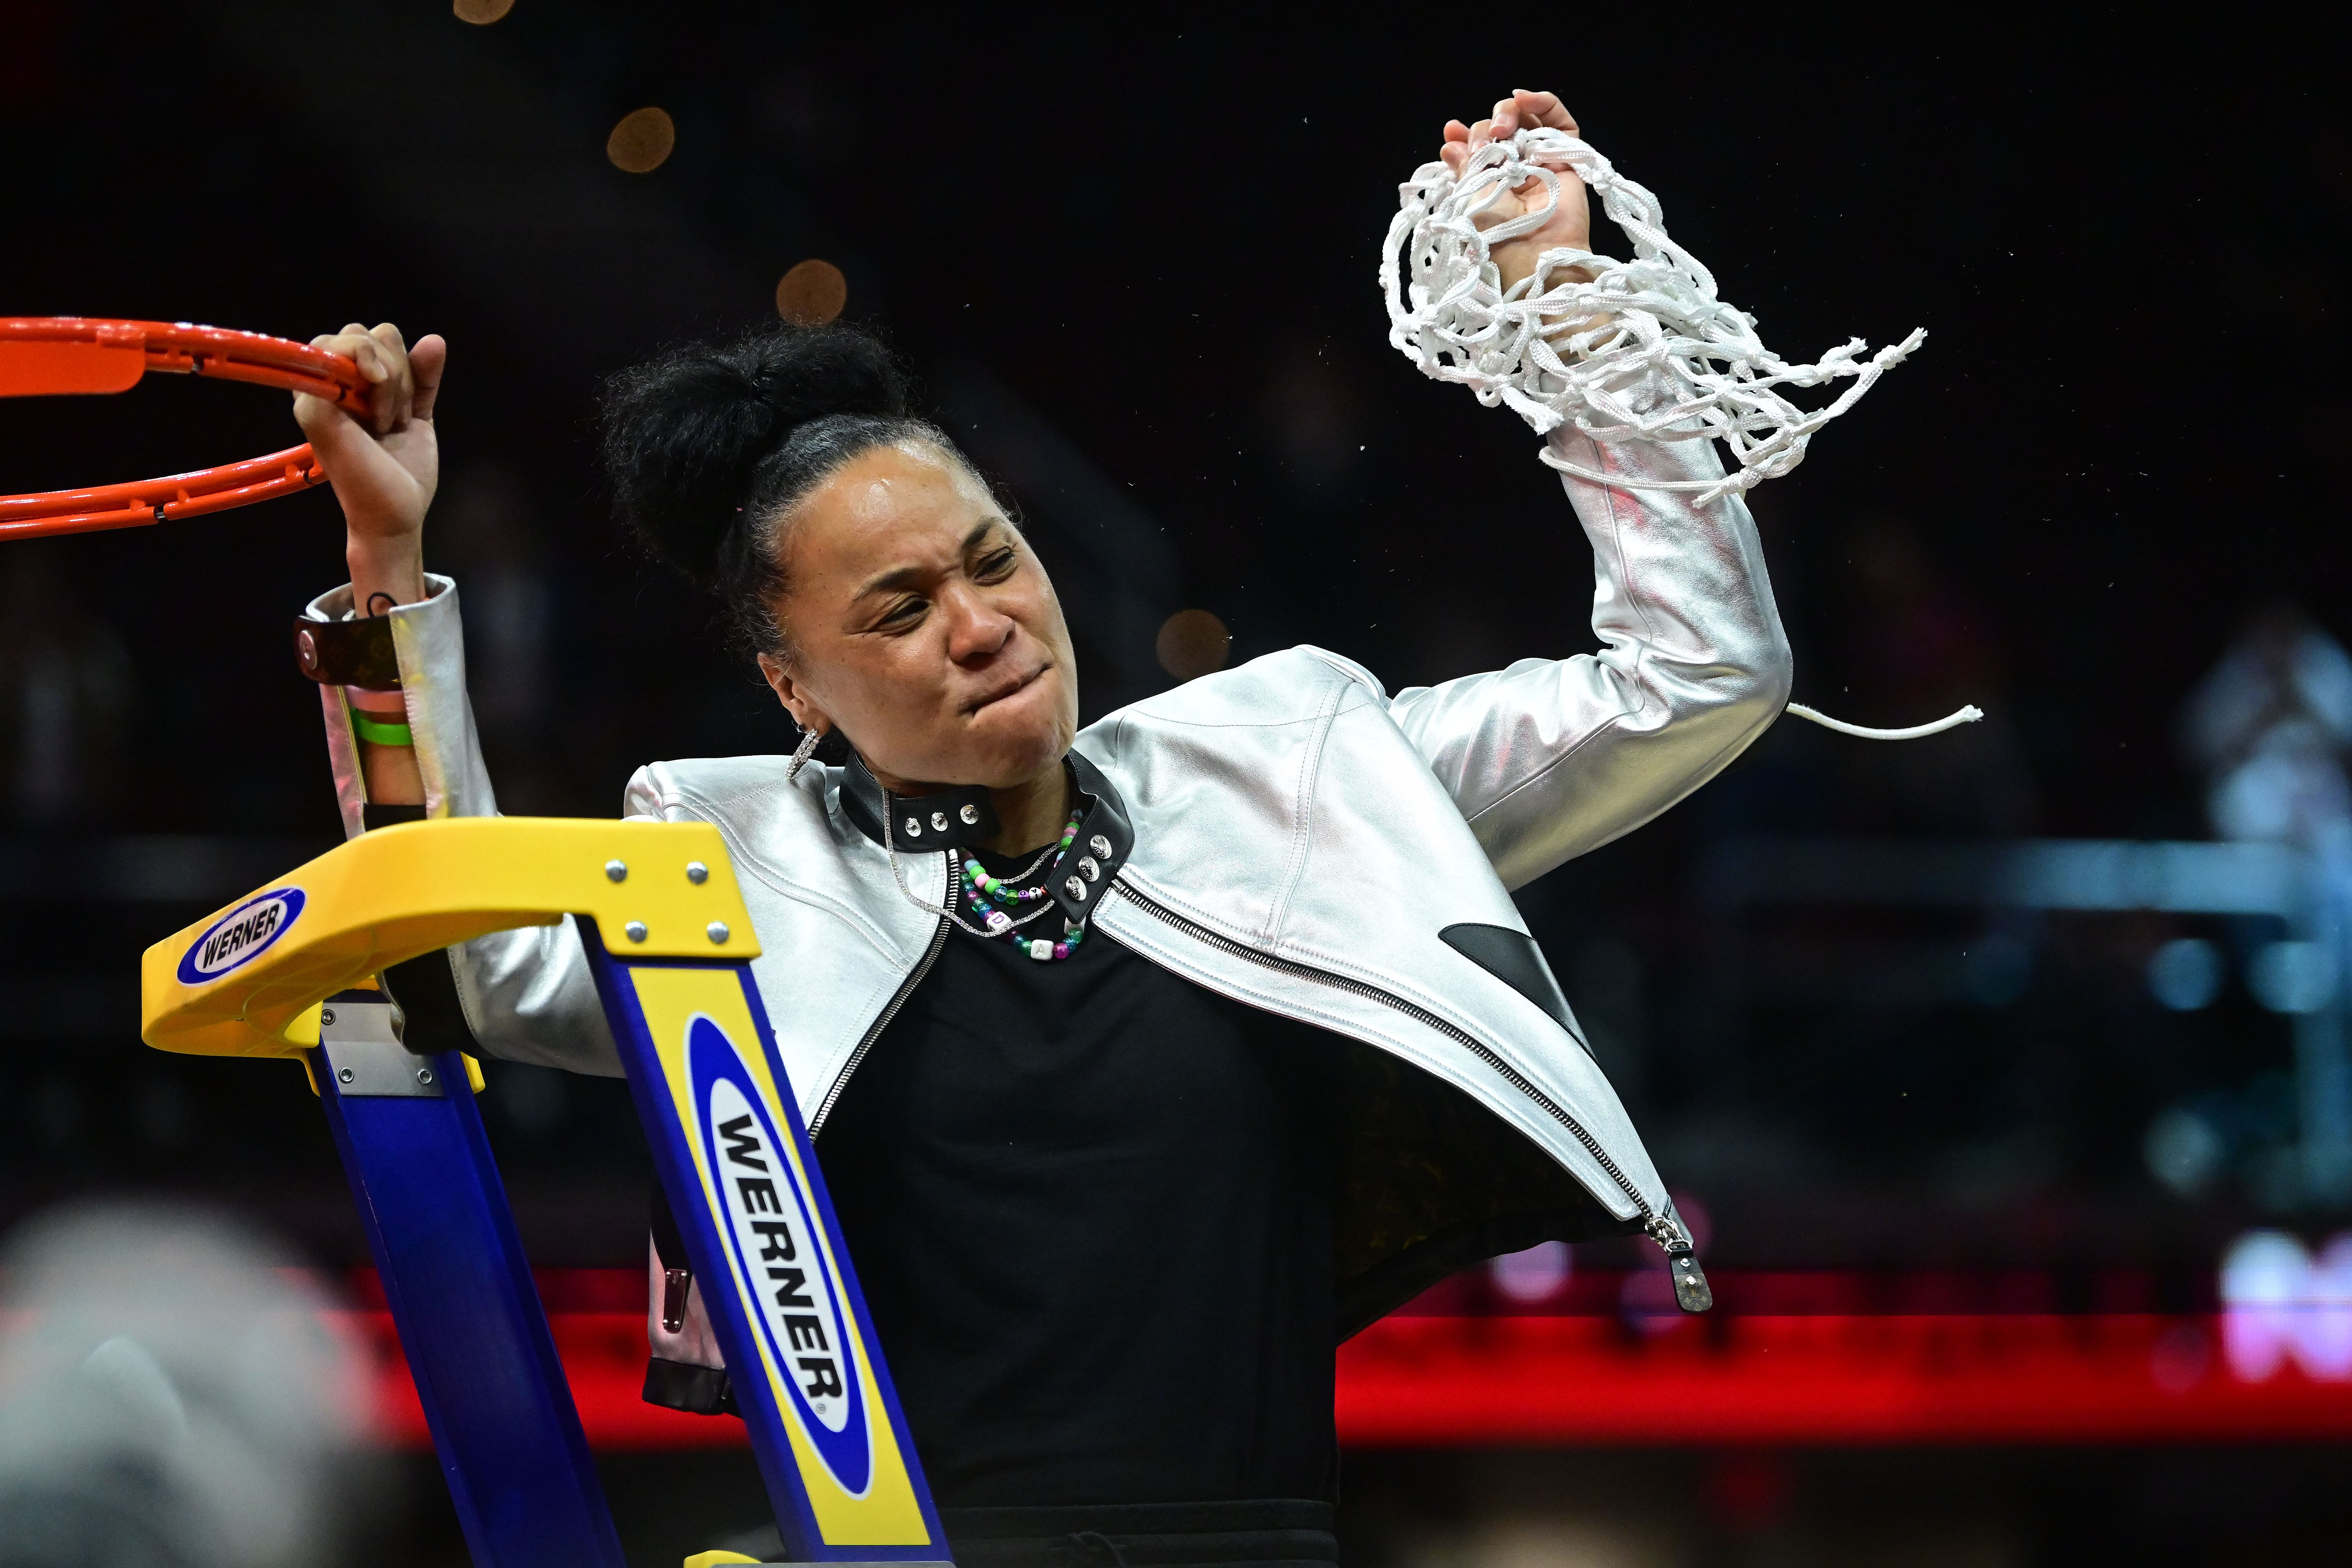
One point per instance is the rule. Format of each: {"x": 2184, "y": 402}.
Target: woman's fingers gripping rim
{"x": 355, "y": 345}
{"x": 383, "y": 362}
{"x": 395, "y": 396}
{"x": 322, "y": 420}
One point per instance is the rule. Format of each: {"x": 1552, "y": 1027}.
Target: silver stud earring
{"x": 802, "y": 753}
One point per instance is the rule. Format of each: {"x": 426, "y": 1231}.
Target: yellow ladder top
{"x": 241, "y": 981}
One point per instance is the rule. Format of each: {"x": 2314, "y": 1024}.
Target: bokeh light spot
{"x": 1536, "y": 1275}
{"x": 481, "y": 13}
{"x": 642, "y": 141}
{"x": 2184, "y": 1150}
{"x": 1193, "y": 643}
{"x": 813, "y": 293}
{"x": 2293, "y": 976}
{"x": 2185, "y": 975}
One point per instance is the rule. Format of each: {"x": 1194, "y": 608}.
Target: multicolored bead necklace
{"x": 991, "y": 898}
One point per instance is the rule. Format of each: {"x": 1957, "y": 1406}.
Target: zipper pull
{"x": 1692, "y": 1292}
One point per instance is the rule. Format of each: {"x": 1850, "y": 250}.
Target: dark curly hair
{"x": 707, "y": 448}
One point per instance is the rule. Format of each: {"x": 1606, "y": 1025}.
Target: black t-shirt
{"x": 1091, "y": 1205}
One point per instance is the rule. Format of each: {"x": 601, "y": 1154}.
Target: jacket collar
{"x": 960, "y": 818}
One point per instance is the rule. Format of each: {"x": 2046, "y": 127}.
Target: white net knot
{"x": 1562, "y": 351}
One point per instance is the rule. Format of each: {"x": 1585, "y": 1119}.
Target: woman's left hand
{"x": 1570, "y": 226}
{"x": 384, "y": 468}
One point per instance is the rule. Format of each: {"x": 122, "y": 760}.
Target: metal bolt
{"x": 635, "y": 931}
{"x": 346, "y": 1075}
{"x": 697, "y": 872}
{"x": 424, "y": 1076}
{"x": 326, "y": 1016}
{"x": 970, "y": 815}
{"x": 716, "y": 930}
{"x": 616, "y": 871}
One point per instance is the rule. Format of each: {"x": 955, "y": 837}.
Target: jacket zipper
{"x": 874, "y": 1030}
{"x": 1691, "y": 1290}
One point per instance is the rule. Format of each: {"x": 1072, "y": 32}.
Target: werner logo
{"x": 242, "y": 935}
{"x": 769, "y": 1227}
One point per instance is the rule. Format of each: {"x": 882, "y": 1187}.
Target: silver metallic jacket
{"x": 1292, "y": 835}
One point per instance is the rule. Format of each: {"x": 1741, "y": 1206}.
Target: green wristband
{"x": 376, "y": 732}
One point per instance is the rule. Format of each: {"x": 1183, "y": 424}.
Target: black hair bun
{"x": 684, "y": 435}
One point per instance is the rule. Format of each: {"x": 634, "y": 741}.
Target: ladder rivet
{"x": 635, "y": 930}
{"x": 346, "y": 1075}
{"x": 615, "y": 872}
{"x": 716, "y": 930}
{"x": 697, "y": 872}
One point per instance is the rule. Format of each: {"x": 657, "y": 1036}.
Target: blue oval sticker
{"x": 242, "y": 935}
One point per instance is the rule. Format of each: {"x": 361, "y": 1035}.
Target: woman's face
{"x": 923, "y": 627}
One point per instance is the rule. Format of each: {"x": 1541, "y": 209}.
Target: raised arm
{"x": 1547, "y": 759}
{"x": 384, "y": 471}
{"x": 1550, "y": 758}
{"x": 526, "y": 994}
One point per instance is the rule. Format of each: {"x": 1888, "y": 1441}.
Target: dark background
{"x": 1146, "y": 244}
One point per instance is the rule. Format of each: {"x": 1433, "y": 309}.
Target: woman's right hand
{"x": 385, "y": 469}
{"x": 1569, "y": 225}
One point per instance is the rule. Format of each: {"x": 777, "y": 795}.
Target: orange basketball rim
{"x": 43, "y": 356}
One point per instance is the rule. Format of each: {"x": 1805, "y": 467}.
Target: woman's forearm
{"x": 384, "y": 574}
{"x": 1551, "y": 759}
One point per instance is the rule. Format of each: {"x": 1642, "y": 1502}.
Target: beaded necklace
{"x": 980, "y": 889}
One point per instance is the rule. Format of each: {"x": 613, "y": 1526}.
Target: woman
{"x": 1147, "y": 1061}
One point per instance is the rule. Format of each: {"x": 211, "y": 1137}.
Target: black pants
{"x": 1274, "y": 1533}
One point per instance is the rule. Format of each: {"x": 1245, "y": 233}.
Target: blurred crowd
{"x": 174, "y": 1394}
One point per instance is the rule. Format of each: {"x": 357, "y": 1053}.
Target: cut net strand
{"x": 1968, "y": 715}
{"x": 1560, "y": 350}
{"x": 1569, "y": 350}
